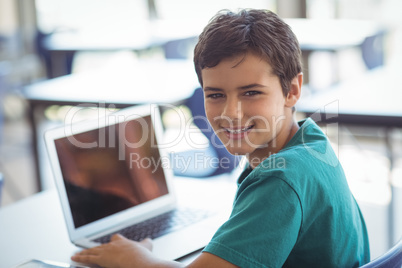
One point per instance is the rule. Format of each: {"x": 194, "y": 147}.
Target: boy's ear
{"x": 295, "y": 91}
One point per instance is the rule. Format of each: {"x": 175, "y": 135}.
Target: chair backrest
{"x": 391, "y": 259}
{"x": 372, "y": 50}
{"x": 180, "y": 49}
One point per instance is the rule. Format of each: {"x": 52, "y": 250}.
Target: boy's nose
{"x": 232, "y": 110}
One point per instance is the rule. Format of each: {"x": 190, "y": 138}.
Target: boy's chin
{"x": 239, "y": 150}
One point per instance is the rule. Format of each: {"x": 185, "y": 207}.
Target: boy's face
{"x": 246, "y": 107}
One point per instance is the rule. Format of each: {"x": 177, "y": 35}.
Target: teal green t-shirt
{"x": 294, "y": 210}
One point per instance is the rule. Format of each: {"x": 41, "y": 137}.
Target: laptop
{"x": 112, "y": 176}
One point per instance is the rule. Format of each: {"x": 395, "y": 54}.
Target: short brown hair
{"x": 230, "y": 34}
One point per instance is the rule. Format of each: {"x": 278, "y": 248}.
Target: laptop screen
{"x": 110, "y": 169}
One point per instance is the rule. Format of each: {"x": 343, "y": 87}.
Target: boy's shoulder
{"x": 308, "y": 132}
{"x": 307, "y": 153}
{"x": 308, "y": 144}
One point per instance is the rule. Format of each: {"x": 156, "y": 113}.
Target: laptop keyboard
{"x": 159, "y": 225}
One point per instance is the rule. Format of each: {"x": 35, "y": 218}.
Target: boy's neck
{"x": 274, "y": 146}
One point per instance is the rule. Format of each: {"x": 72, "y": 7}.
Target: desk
{"x": 313, "y": 35}
{"x": 372, "y": 99}
{"x": 162, "y": 82}
{"x": 334, "y": 35}
{"x": 157, "y": 81}
{"x": 143, "y": 35}
{"x": 34, "y": 227}
{"x": 59, "y": 48}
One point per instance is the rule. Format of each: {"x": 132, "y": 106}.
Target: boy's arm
{"x": 122, "y": 252}
{"x": 209, "y": 260}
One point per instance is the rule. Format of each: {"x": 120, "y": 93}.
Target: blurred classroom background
{"x": 47, "y": 40}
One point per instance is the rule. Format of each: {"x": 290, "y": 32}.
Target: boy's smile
{"x": 246, "y": 107}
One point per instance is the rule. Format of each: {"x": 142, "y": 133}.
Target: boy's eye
{"x": 215, "y": 95}
{"x": 251, "y": 93}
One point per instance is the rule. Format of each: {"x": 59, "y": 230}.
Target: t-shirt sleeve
{"x": 263, "y": 226}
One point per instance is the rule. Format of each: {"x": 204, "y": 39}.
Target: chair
{"x": 372, "y": 50}
{"x": 391, "y": 259}
{"x": 179, "y": 49}
{"x": 45, "y": 54}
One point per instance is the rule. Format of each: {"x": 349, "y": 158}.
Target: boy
{"x": 293, "y": 207}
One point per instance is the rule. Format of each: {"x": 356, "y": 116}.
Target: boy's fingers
{"x": 85, "y": 258}
{"x": 116, "y": 237}
{"x": 87, "y": 252}
{"x": 147, "y": 243}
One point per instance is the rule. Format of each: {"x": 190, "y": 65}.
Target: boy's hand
{"x": 119, "y": 252}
